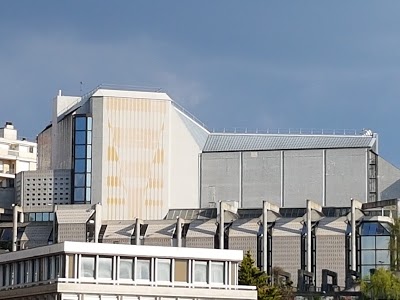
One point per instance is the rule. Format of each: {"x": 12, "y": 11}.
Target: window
{"x": 143, "y": 269}
{"x": 105, "y": 267}
{"x": 163, "y": 270}
{"x": 181, "y": 270}
{"x": 87, "y": 266}
{"x": 125, "y": 268}
{"x": 200, "y": 271}
{"x": 217, "y": 272}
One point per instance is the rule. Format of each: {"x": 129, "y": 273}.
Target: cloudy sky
{"x": 255, "y": 64}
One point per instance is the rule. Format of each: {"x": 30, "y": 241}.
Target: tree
{"x": 249, "y": 274}
{"x": 383, "y": 284}
{"x": 394, "y": 244}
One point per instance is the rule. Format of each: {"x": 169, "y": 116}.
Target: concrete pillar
{"x": 265, "y": 236}
{"x": 354, "y": 205}
{"x": 16, "y": 209}
{"x": 97, "y": 222}
{"x": 221, "y": 224}
{"x": 137, "y": 231}
{"x": 179, "y": 224}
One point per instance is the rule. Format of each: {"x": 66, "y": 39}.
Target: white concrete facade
{"x": 73, "y": 270}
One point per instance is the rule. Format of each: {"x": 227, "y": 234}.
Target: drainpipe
{"x": 179, "y": 224}
{"x": 309, "y": 250}
{"x": 265, "y": 236}
{"x": 221, "y": 224}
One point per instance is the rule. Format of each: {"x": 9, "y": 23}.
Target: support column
{"x": 179, "y": 224}
{"x": 138, "y": 223}
{"x": 97, "y": 222}
{"x": 265, "y": 236}
{"x": 354, "y": 205}
{"x": 309, "y": 249}
{"x": 16, "y": 209}
{"x": 221, "y": 222}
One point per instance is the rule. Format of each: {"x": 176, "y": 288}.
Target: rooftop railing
{"x": 294, "y": 131}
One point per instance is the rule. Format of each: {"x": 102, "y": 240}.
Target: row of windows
{"x": 49, "y": 189}
{"x": 38, "y": 217}
{"x": 48, "y": 179}
{"x": 44, "y": 184}
{"x": 123, "y": 269}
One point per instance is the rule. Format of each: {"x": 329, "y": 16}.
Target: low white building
{"x": 16, "y": 155}
{"x": 73, "y": 270}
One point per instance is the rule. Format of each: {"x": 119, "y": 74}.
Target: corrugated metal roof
{"x": 259, "y": 142}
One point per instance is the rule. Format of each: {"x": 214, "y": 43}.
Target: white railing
{"x": 294, "y": 131}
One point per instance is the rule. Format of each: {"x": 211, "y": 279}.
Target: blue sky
{"x": 255, "y": 64}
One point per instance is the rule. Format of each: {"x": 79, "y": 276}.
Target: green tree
{"x": 383, "y": 284}
{"x": 394, "y": 244}
{"x": 249, "y": 274}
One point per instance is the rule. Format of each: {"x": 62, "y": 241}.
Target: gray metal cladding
{"x": 257, "y": 142}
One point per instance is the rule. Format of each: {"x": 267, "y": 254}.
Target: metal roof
{"x": 259, "y": 142}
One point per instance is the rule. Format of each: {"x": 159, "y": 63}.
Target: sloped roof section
{"x": 76, "y": 216}
{"x": 259, "y": 142}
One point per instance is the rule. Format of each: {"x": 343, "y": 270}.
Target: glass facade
{"x": 82, "y": 152}
{"x": 373, "y": 246}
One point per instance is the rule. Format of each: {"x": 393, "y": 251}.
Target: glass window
{"x": 143, "y": 269}
{"x": 32, "y": 217}
{"x": 105, "y": 267}
{"x": 89, "y": 151}
{"x": 45, "y": 216}
{"x": 80, "y": 151}
{"x": 51, "y": 216}
{"x": 80, "y": 123}
{"x": 367, "y": 242}
{"x": 368, "y": 257}
{"x": 89, "y": 123}
{"x": 80, "y": 137}
{"x": 89, "y": 165}
{"x": 87, "y": 267}
{"x": 39, "y": 217}
{"x": 79, "y": 180}
{"x": 79, "y": 165}
{"x": 88, "y": 179}
{"x": 88, "y": 194}
{"x": 163, "y": 270}
{"x": 382, "y": 242}
{"x": 200, "y": 271}
{"x": 89, "y": 137}
{"x": 217, "y": 272}
{"x": 79, "y": 195}
{"x": 382, "y": 257}
{"x": 365, "y": 270}
{"x": 125, "y": 268}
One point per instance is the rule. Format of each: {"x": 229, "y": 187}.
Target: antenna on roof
{"x": 81, "y": 83}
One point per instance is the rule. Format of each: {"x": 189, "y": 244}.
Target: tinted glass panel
{"x": 45, "y": 216}
{"x": 79, "y": 165}
{"x": 39, "y": 217}
{"x": 89, "y": 137}
{"x": 80, "y": 137}
{"x": 89, "y": 151}
{"x": 79, "y": 195}
{"x": 367, "y": 242}
{"x": 80, "y": 151}
{"x": 80, "y": 123}
{"x": 382, "y": 257}
{"x": 88, "y": 179}
{"x": 79, "y": 180}
{"x": 382, "y": 242}
{"x": 88, "y": 192}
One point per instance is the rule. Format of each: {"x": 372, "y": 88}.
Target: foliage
{"x": 394, "y": 244}
{"x": 249, "y": 274}
{"x": 383, "y": 284}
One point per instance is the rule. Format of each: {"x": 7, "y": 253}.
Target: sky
{"x": 234, "y": 64}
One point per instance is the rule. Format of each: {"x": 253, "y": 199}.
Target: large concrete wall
{"x": 286, "y": 178}
{"x": 388, "y": 180}
{"x": 44, "y": 149}
{"x": 220, "y": 177}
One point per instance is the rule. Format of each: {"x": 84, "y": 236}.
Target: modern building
{"x": 345, "y": 241}
{"x": 16, "y": 155}
{"x": 73, "y": 270}
{"x": 139, "y": 154}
